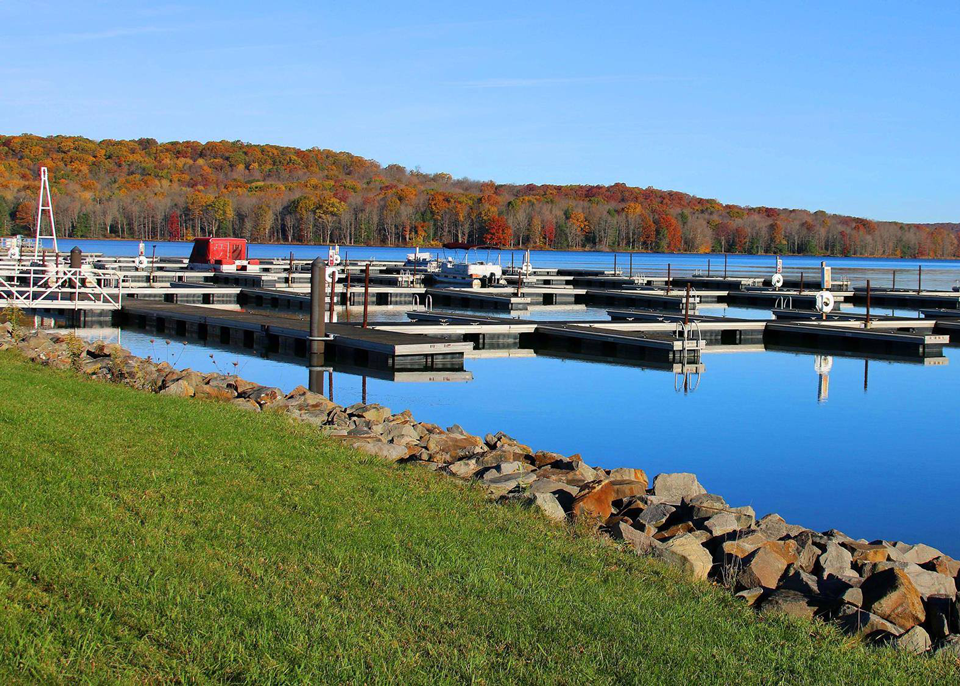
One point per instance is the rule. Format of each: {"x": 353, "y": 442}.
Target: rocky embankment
{"x": 890, "y": 592}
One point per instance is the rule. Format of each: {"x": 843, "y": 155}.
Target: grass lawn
{"x": 147, "y": 538}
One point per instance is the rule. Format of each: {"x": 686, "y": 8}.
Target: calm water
{"x": 874, "y": 457}
{"x": 941, "y": 274}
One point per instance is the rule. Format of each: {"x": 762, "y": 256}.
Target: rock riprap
{"x": 890, "y": 592}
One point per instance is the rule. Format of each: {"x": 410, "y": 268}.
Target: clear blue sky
{"x": 850, "y": 107}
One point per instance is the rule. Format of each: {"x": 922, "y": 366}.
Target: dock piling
{"x": 686, "y": 309}
{"x": 919, "y": 278}
{"x": 318, "y": 277}
{"x": 668, "y": 278}
{"x": 867, "y": 325}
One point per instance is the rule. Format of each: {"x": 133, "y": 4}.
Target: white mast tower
{"x": 39, "y": 236}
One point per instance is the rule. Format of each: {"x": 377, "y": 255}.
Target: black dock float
{"x": 824, "y": 338}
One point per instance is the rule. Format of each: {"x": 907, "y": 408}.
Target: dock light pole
{"x": 801, "y": 283}
{"x": 631, "y": 265}
{"x": 290, "y": 271}
{"x": 894, "y": 280}
{"x": 686, "y": 310}
{"x": 668, "y": 278}
{"x": 919, "y": 278}
{"x": 614, "y": 264}
{"x": 868, "y": 304}
{"x": 318, "y": 278}
{"x": 153, "y": 262}
{"x": 366, "y": 293}
{"x": 708, "y": 268}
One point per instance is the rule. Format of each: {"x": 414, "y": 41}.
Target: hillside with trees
{"x": 142, "y": 189}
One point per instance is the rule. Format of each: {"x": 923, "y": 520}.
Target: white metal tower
{"x": 38, "y": 238}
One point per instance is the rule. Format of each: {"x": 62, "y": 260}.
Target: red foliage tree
{"x": 498, "y": 231}
{"x": 173, "y": 226}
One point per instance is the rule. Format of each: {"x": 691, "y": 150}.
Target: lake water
{"x": 873, "y": 457}
{"x": 941, "y": 274}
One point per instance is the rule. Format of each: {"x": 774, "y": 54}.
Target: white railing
{"x": 61, "y": 287}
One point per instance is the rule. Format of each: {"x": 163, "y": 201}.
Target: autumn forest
{"x": 142, "y": 189}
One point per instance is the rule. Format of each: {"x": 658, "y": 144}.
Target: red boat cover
{"x": 222, "y": 250}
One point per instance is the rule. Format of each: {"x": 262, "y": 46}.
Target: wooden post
{"x": 668, "y": 278}
{"x": 631, "y": 265}
{"x": 686, "y": 311}
{"x": 724, "y": 265}
{"x": 868, "y": 303}
{"x": 894, "y": 280}
{"x": 919, "y": 278}
{"x": 801, "y": 283}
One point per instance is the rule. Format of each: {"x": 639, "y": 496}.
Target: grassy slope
{"x": 147, "y": 537}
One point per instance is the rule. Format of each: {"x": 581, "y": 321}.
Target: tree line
{"x": 143, "y": 189}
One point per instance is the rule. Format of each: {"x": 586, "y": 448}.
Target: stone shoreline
{"x": 889, "y": 592}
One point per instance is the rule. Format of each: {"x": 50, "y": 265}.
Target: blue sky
{"x": 850, "y": 107}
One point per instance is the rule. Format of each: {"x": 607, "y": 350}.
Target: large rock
{"x": 772, "y": 526}
{"x": 722, "y": 523}
{"x": 641, "y": 543}
{"x": 654, "y": 516}
{"x": 502, "y": 454}
{"x": 854, "y": 620}
{"x": 385, "y": 451}
{"x": 836, "y": 560}
{"x": 264, "y": 395}
{"x": 892, "y": 595}
{"x": 685, "y": 553}
{"x": 180, "y": 388}
{"x": 501, "y": 485}
{"x": 595, "y": 500}
{"x": 626, "y": 488}
{"x": 549, "y": 505}
{"x": 762, "y": 567}
{"x": 629, "y": 474}
{"x": 463, "y": 468}
{"x": 676, "y": 487}
{"x": 790, "y": 603}
{"x": 452, "y": 447}
{"x": 916, "y": 640}
{"x": 372, "y": 412}
{"x": 401, "y": 434}
{"x": 918, "y": 554}
{"x": 928, "y": 583}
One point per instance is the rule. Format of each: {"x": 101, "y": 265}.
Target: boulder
{"x": 751, "y": 595}
{"x": 682, "y": 528}
{"x": 640, "y": 542}
{"x": 629, "y": 474}
{"x": 685, "y": 553}
{"x": 549, "y": 505}
{"x": 594, "y": 500}
{"x": 502, "y": 454}
{"x": 501, "y": 485}
{"x": 918, "y": 554}
{"x": 916, "y": 640}
{"x": 401, "y": 434}
{"x": 807, "y": 552}
{"x": 854, "y": 620}
{"x": 654, "y": 516}
{"x": 721, "y": 523}
{"x": 464, "y": 468}
{"x": 542, "y": 458}
{"x": 625, "y": 488}
{"x": 790, "y": 603}
{"x": 836, "y": 560}
{"x": 179, "y": 389}
{"x": 892, "y": 595}
{"x": 245, "y": 404}
{"x": 214, "y": 392}
{"x": 385, "y": 451}
{"x": 950, "y": 646}
{"x": 762, "y": 567}
{"x": 372, "y": 412}
{"x": 676, "y": 487}
{"x": 449, "y": 447}
{"x": 943, "y": 565}
{"x": 852, "y": 596}
{"x": 772, "y": 526}
{"x": 867, "y": 552}
{"x": 264, "y": 395}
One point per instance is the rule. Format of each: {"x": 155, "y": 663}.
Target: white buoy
{"x": 825, "y": 301}
{"x": 777, "y": 280}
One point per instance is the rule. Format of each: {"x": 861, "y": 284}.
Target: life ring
{"x": 14, "y": 252}
{"x": 825, "y": 301}
{"x": 140, "y": 262}
{"x": 332, "y": 274}
{"x": 777, "y": 280}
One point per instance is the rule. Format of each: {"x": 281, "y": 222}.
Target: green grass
{"x": 147, "y": 538}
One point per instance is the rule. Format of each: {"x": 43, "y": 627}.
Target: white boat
{"x": 421, "y": 261}
{"x": 469, "y": 273}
